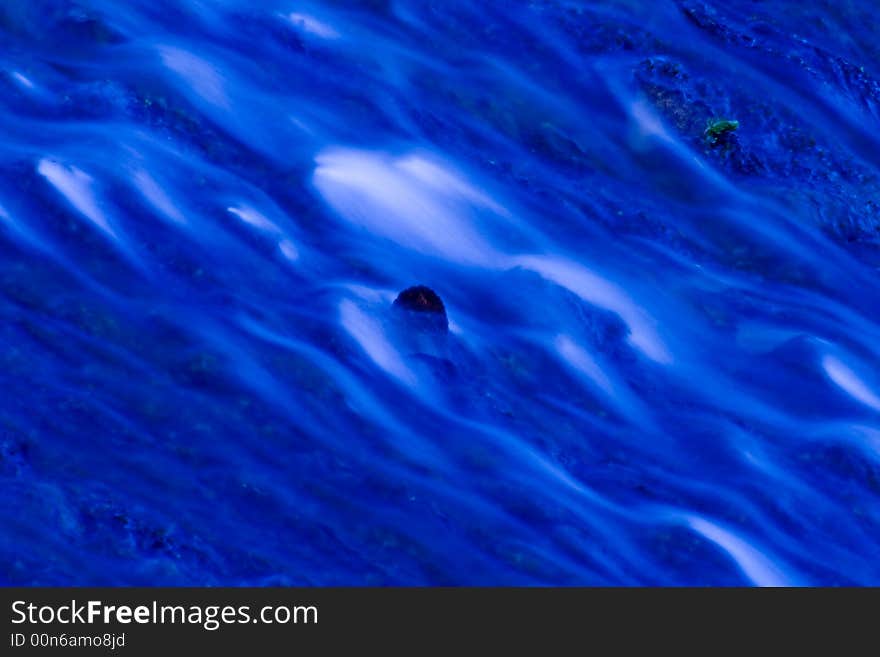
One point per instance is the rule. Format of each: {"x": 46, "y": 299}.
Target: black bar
{"x": 335, "y": 619}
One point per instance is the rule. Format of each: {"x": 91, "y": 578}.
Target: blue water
{"x": 662, "y": 358}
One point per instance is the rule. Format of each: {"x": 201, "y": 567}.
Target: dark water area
{"x": 654, "y": 228}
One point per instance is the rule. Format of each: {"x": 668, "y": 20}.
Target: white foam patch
{"x": 583, "y": 362}
{"x": 849, "y": 382}
{"x": 288, "y": 250}
{"x": 438, "y": 178}
{"x": 369, "y": 335}
{"x": 151, "y": 191}
{"x": 199, "y": 74}
{"x": 399, "y": 200}
{"x": 596, "y": 290}
{"x": 761, "y": 570}
{"x": 76, "y": 186}
{"x": 22, "y": 80}
{"x": 312, "y": 26}
{"x": 253, "y": 218}
{"x": 371, "y": 294}
{"x": 256, "y": 219}
{"x": 649, "y": 122}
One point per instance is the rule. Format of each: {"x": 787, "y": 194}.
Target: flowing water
{"x": 661, "y": 363}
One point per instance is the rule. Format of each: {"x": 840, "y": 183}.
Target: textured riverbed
{"x": 655, "y": 227}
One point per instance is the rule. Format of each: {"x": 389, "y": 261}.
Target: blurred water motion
{"x": 654, "y": 228}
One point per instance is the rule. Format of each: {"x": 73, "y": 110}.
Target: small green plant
{"x": 717, "y": 129}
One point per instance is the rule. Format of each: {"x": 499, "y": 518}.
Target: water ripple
{"x": 662, "y": 350}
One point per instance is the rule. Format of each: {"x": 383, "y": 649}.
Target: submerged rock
{"x": 421, "y": 330}
{"x": 422, "y": 308}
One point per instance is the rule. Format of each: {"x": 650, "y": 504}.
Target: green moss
{"x": 717, "y": 129}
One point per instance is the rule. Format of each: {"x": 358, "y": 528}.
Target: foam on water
{"x": 601, "y": 292}
{"x": 850, "y": 382}
{"x": 252, "y": 217}
{"x": 399, "y": 199}
{"x": 761, "y": 570}
{"x": 661, "y": 359}
{"x": 313, "y": 26}
{"x": 76, "y": 186}
{"x": 199, "y": 74}
{"x": 151, "y": 191}
{"x": 22, "y": 80}
{"x": 369, "y": 335}
{"x": 583, "y": 362}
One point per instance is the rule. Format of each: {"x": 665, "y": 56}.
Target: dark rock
{"x": 423, "y": 308}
